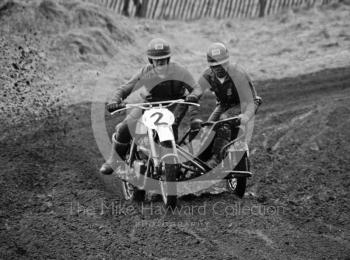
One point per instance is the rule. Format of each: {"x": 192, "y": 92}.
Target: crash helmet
{"x": 158, "y": 49}
{"x": 217, "y": 54}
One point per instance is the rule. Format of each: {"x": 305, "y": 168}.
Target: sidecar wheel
{"x": 133, "y": 193}
{"x": 238, "y": 185}
{"x": 169, "y": 188}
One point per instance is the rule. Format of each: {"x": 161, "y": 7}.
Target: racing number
{"x": 160, "y": 116}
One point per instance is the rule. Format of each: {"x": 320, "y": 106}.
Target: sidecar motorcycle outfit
{"x": 160, "y": 80}
{"x": 235, "y": 94}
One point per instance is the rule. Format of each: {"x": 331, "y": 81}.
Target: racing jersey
{"x": 174, "y": 82}
{"x": 234, "y": 91}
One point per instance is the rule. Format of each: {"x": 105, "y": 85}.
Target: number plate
{"x": 165, "y": 133}
{"x": 156, "y": 117}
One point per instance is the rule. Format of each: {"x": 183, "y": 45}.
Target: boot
{"x": 112, "y": 162}
{"x": 213, "y": 161}
{"x": 218, "y": 144}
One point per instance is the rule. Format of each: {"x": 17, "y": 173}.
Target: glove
{"x": 191, "y": 98}
{"x": 244, "y": 119}
{"x": 111, "y": 107}
{"x": 196, "y": 124}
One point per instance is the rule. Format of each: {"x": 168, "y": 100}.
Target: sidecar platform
{"x": 233, "y": 174}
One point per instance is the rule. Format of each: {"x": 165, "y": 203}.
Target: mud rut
{"x": 54, "y": 205}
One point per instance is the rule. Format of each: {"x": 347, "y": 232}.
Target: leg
{"x": 222, "y": 138}
{"x": 122, "y": 139}
{"x": 120, "y": 145}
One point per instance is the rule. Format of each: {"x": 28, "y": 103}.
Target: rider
{"x": 160, "y": 80}
{"x": 234, "y": 92}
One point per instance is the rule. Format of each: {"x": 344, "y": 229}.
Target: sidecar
{"x": 230, "y": 175}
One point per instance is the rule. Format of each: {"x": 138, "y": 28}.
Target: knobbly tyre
{"x": 154, "y": 157}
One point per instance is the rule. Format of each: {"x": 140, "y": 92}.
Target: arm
{"x": 195, "y": 93}
{"x": 193, "y": 87}
{"x": 250, "y": 104}
{"x": 123, "y": 91}
{"x": 247, "y": 94}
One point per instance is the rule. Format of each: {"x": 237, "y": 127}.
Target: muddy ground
{"x": 54, "y": 205}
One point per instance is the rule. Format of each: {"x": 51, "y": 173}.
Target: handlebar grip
{"x": 114, "y": 107}
{"x": 121, "y": 106}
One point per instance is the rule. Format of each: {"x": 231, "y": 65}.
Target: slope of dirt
{"x": 40, "y": 42}
{"x": 297, "y": 205}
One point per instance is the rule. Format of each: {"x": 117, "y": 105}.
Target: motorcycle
{"x": 157, "y": 164}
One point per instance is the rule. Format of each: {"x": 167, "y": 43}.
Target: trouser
{"x": 225, "y": 133}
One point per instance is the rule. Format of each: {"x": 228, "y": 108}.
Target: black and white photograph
{"x": 175, "y": 129}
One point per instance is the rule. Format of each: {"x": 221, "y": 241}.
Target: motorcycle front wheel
{"x": 168, "y": 185}
{"x": 131, "y": 192}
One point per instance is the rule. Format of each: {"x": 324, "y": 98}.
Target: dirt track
{"x": 53, "y": 204}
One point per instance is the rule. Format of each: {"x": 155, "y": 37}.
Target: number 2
{"x": 160, "y": 116}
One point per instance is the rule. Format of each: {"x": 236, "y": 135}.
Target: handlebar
{"x": 150, "y": 105}
{"x": 235, "y": 120}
